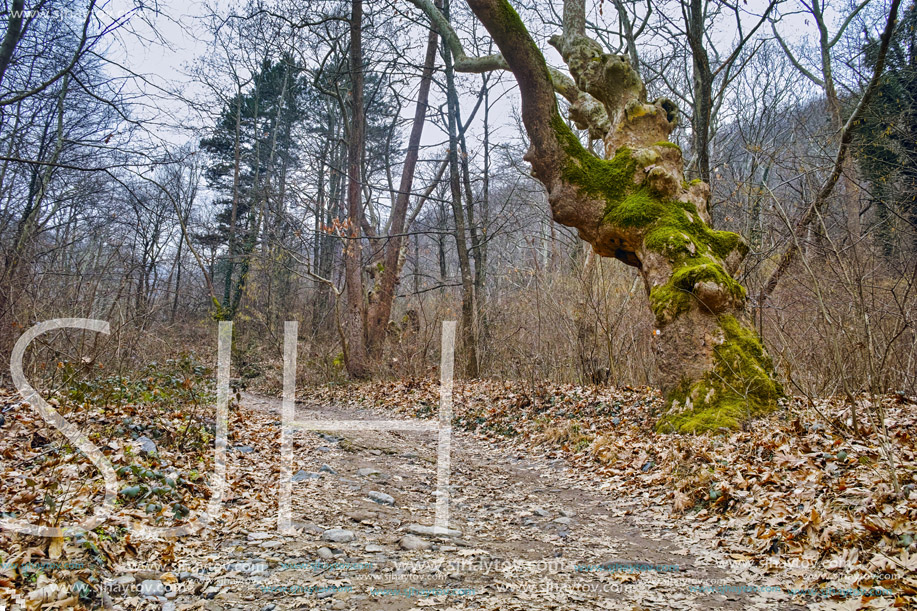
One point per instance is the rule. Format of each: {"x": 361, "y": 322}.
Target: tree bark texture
{"x": 636, "y": 206}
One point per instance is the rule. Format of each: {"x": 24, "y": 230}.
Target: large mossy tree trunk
{"x": 636, "y": 206}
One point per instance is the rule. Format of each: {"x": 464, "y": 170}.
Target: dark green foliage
{"x": 164, "y": 390}
{"x": 255, "y": 130}
{"x": 145, "y": 492}
{"x": 172, "y": 384}
{"x": 886, "y": 137}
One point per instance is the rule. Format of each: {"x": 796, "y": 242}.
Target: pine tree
{"x": 251, "y": 150}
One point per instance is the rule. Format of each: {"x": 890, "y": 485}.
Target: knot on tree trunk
{"x": 608, "y": 78}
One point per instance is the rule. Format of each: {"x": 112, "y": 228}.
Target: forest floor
{"x": 550, "y": 512}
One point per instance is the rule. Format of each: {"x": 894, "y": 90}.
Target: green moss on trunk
{"x": 740, "y": 383}
{"x": 740, "y": 386}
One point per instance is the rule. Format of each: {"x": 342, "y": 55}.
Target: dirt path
{"x": 534, "y": 534}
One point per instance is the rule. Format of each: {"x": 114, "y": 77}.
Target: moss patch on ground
{"x": 740, "y": 386}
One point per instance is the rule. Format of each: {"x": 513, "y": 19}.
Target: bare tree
{"x": 845, "y": 136}
{"x": 635, "y": 207}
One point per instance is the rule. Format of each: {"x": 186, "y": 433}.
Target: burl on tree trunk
{"x": 636, "y": 206}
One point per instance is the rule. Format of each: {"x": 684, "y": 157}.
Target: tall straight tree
{"x": 469, "y": 341}
{"x": 380, "y": 310}
{"x": 355, "y": 353}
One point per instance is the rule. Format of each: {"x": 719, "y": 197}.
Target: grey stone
{"x": 302, "y": 476}
{"x": 381, "y": 498}
{"x": 372, "y": 548}
{"x": 567, "y": 513}
{"x": 338, "y": 535}
{"x": 168, "y": 606}
{"x": 328, "y": 469}
{"x": 412, "y": 543}
{"x": 362, "y": 515}
{"x": 538, "y": 511}
{"x": 245, "y": 449}
{"x": 146, "y": 445}
{"x": 260, "y": 536}
{"x": 309, "y": 527}
{"x": 368, "y": 471}
{"x": 325, "y": 553}
{"x": 563, "y": 520}
{"x": 152, "y": 587}
{"x": 272, "y": 544}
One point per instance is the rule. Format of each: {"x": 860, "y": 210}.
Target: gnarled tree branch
{"x": 586, "y": 112}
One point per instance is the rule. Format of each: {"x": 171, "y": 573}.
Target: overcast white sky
{"x": 181, "y": 25}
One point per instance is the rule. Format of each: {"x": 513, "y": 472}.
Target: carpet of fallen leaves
{"x": 46, "y": 481}
{"x": 794, "y": 492}
{"x": 795, "y": 486}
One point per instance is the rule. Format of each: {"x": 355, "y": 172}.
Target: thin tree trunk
{"x": 481, "y": 247}
{"x": 703, "y": 89}
{"x": 225, "y": 312}
{"x": 380, "y": 312}
{"x": 11, "y": 38}
{"x": 468, "y": 335}
{"x": 357, "y": 358}
{"x": 475, "y": 251}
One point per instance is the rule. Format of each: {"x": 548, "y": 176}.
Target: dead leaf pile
{"x": 788, "y": 493}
